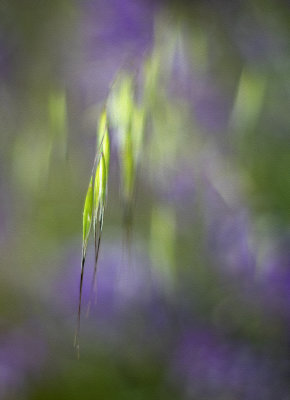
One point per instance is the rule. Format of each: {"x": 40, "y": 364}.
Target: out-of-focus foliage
{"x": 190, "y": 103}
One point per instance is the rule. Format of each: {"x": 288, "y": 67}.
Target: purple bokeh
{"x": 22, "y": 356}
{"x": 115, "y": 35}
{"x": 210, "y": 368}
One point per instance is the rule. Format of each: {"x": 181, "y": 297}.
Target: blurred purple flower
{"x": 274, "y": 283}
{"x": 208, "y": 368}
{"x": 177, "y": 187}
{"x": 228, "y": 234}
{"x": 114, "y": 22}
{"x": 21, "y": 356}
{"x": 211, "y": 105}
{"x": 259, "y": 43}
{"x": 115, "y": 34}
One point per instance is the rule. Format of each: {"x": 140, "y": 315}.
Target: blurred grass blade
{"x": 120, "y": 105}
{"x": 57, "y": 108}
{"x": 138, "y": 119}
{"x": 130, "y": 157}
{"x": 151, "y": 73}
{"x": 248, "y": 102}
{"x": 127, "y": 121}
{"x": 163, "y": 244}
{"x": 128, "y": 167}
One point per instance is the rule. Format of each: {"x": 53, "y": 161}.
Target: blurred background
{"x": 197, "y": 305}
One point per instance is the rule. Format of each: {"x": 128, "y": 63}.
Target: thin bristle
{"x": 77, "y": 335}
{"x": 97, "y": 249}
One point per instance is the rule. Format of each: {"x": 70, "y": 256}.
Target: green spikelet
{"x": 87, "y": 214}
{"x": 95, "y": 202}
{"x": 104, "y": 139}
{"x": 87, "y": 222}
{"x": 100, "y": 189}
